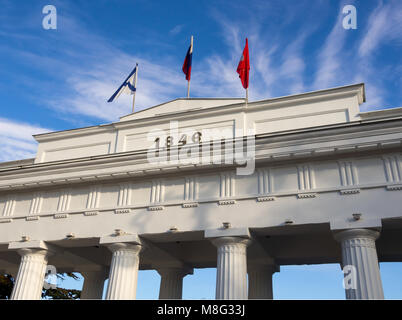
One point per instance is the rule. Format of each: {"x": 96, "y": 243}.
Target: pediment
{"x": 181, "y": 105}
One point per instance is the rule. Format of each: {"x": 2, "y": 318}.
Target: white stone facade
{"x": 322, "y": 168}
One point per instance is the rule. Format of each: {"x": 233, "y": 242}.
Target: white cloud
{"x": 329, "y": 60}
{"x": 157, "y": 82}
{"x": 279, "y": 65}
{"x": 384, "y": 25}
{"x": 293, "y": 66}
{"x": 16, "y": 141}
{"x": 176, "y": 29}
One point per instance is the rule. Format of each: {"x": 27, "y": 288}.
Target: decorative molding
{"x": 93, "y": 197}
{"x": 91, "y": 213}
{"x": 227, "y": 185}
{"x": 64, "y": 200}
{"x": 349, "y": 191}
{"x": 264, "y": 181}
{"x": 61, "y": 216}
{"x": 32, "y": 218}
{"x": 36, "y": 203}
{"x": 263, "y": 199}
{"x": 190, "y": 205}
{"x": 190, "y": 189}
{"x": 155, "y": 208}
{"x": 392, "y": 167}
{"x": 347, "y": 173}
{"x": 124, "y": 198}
{"x": 305, "y": 177}
{"x": 226, "y": 202}
{"x": 9, "y": 206}
{"x": 6, "y": 220}
{"x": 122, "y": 211}
{"x": 222, "y": 184}
{"x": 394, "y": 187}
{"x": 157, "y": 191}
{"x": 306, "y": 195}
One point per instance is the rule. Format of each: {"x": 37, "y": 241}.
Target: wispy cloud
{"x": 283, "y": 62}
{"x": 329, "y": 58}
{"x": 176, "y": 29}
{"x": 90, "y": 92}
{"x": 384, "y": 25}
{"x": 16, "y": 141}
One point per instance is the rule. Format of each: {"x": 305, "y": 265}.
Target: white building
{"x": 326, "y": 189}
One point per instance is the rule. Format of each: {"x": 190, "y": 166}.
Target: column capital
{"x": 124, "y": 246}
{"x": 356, "y": 233}
{"x": 34, "y": 247}
{"x": 32, "y": 251}
{"x": 229, "y": 232}
{"x": 129, "y": 238}
{"x": 126, "y": 242}
{"x": 182, "y": 271}
{"x": 221, "y": 241}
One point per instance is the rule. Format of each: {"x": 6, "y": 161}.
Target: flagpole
{"x": 246, "y": 97}
{"x": 188, "y": 84}
{"x": 135, "y": 85}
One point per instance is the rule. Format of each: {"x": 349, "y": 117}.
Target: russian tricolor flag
{"x": 187, "y": 62}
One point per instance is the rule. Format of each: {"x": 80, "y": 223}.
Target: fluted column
{"x": 171, "y": 286}
{"x": 360, "y": 255}
{"x": 31, "y": 274}
{"x": 231, "y": 273}
{"x": 260, "y": 281}
{"x": 93, "y": 284}
{"x": 123, "y": 271}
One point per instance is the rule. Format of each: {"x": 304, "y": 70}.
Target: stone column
{"x": 31, "y": 274}
{"x": 93, "y": 284}
{"x": 231, "y": 274}
{"x": 260, "y": 281}
{"x": 171, "y": 286}
{"x": 360, "y": 255}
{"x": 123, "y": 271}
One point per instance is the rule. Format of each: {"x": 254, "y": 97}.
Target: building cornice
{"x": 274, "y": 147}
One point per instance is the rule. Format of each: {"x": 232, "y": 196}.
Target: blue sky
{"x": 61, "y": 79}
{"x": 292, "y": 282}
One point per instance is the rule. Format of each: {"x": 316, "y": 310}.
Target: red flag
{"x": 243, "y": 69}
{"x": 187, "y": 62}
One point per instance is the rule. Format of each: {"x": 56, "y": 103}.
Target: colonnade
{"x": 358, "y": 252}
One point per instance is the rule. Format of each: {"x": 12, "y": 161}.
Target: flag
{"x": 127, "y": 87}
{"x": 187, "y": 62}
{"x": 243, "y": 69}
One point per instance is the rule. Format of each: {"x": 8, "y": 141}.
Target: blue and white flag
{"x": 128, "y": 86}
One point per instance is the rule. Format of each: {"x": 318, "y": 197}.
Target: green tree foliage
{"x": 7, "y": 283}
